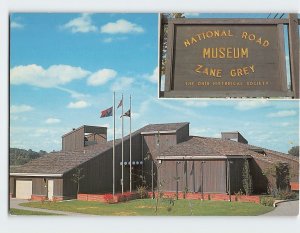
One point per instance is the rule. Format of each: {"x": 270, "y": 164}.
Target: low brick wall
{"x": 294, "y": 186}
{"x": 91, "y": 197}
{"x": 191, "y": 196}
{"x": 38, "y": 198}
{"x": 44, "y": 198}
{"x": 57, "y": 198}
{"x": 211, "y": 196}
{"x": 107, "y": 198}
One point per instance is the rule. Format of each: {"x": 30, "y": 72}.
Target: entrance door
{"x": 50, "y": 189}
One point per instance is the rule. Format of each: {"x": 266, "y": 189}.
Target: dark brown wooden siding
{"x": 98, "y": 171}
{"x": 39, "y": 186}
{"x": 12, "y": 186}
{"x": 73, "y": 141}
{"x": 165, "y": 141}
{"x": 260, "y": 181}
{"x": 58, "y": 187}
{"x": 183, "y": 134}
{"x": 189, "y": 174}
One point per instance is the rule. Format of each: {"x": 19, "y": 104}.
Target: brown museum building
{"x": 160, "y": 151}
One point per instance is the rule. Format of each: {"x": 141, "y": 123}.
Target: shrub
{"x": 161, "y": 194}
{"x": 108, "y": 197}
{"x": 267, "y": 201}
{"x": 142, "y": 191}
{"x": 127, "y": 196}
{"x": 286, "y": 195}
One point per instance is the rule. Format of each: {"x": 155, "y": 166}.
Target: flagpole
{"x": 122, "y": 145}
{"x": 130, "y": 143}
{"x": 114, "y": 144}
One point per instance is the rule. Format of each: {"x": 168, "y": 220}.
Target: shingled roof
{"x": 58, "y": 163}
{"x": 204, "y": 146}
{"x": 62, "y": 162}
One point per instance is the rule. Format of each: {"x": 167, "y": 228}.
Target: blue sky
{"x": 64, "y": 68}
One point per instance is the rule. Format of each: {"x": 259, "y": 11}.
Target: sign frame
{"x": 169, "y": 91}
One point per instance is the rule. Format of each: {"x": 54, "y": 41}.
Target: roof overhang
{"x": 159, "y": 132}
{"x": 212, "y": 157}
{"x": 36, "y": 174}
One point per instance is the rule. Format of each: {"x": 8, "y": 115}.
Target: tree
{"x": 20, "y": 156}
{"x": 247, "y": 178}
{"x": 165, "y": 37}
{"x": 294, "y": 151}
{"x": 77, "y": 176}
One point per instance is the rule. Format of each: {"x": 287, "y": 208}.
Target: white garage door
{"x": 23, "y": 189}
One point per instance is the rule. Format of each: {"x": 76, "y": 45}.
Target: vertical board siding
{"x": 182, "y": 134}
{"x": 73, "y": 141}
{"x": 98, "y": 171}
{"x": 39, "y": 186}
{"x": 12, "y": 186}
{"x": 58, "y": 187}
{"x": 260, "y": 181}
{"x": 190, "y": 176}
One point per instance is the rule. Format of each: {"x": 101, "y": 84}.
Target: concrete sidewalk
{"x": 288, "y": 208}
{"x": 14, "y": 203}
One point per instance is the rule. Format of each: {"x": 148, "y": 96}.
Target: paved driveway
{"x": 288, "y": 208}
{"x": 14, "y": 203}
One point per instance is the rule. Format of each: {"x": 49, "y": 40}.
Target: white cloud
{"x": 41, "y": 131}
{"x": 195, "y": 103}
{"x": 184, "y": 111}
{"x": 112, "y": 39}
{"x": 82, "y": 24}
{"x": 20, "y": 108}
{"x": 108, "y": 40}
{"x": 122, "y": 84}
{"x": 244, "y": 105}
{"x": 284, "y": 124}
{"x": 154, "y": 76}
{"x": 199, "y": 131}
{"x": 14, "y": 24}
{"x": 52, "y": 120}
{"x": 135, "y": 115}
{"x": 285, "y": 113}
{"x": 36, "y": 75}
{"x": 101, "y": 77}
{"x": 78, "y": 104}
{"x": 74, "y": 94}
{"x": 121, "y": 26}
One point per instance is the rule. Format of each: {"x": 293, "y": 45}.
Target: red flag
{"x": 120, "y": 104}
{"x": 106, "y": 112}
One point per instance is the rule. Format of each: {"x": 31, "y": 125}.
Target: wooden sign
{"x": 225, "y": 58}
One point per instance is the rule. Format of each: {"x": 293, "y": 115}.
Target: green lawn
{"x": 146, "y": 207}
{"x": 13, "y": 211}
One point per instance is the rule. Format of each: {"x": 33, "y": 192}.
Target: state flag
{"x": 127, "y": 114}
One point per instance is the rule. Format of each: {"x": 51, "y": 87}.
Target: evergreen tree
{"x": 294, "y": 151}
{"x": 247, "y": 178}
